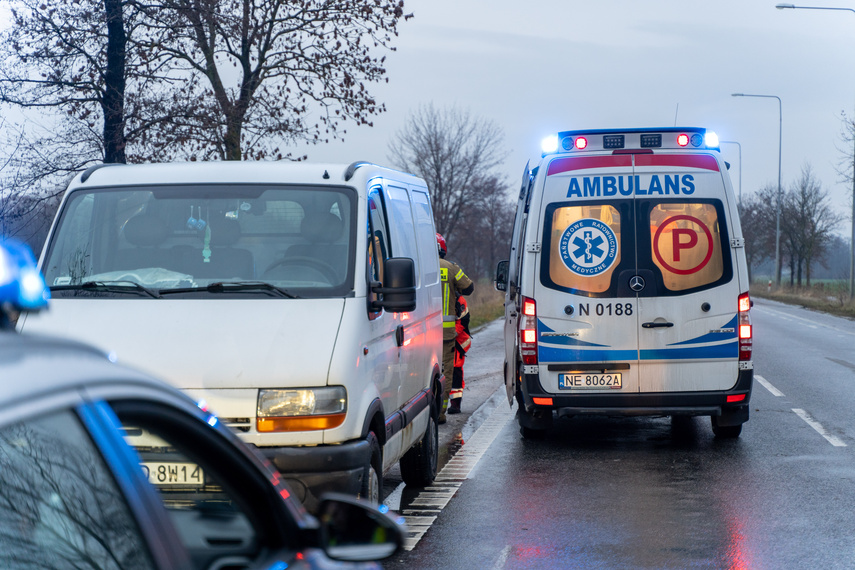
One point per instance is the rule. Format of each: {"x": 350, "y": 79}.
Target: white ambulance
{"x": 302, "y": 302}
{"x": 627, "y": 284}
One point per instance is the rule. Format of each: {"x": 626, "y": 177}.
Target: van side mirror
{"x": 356, "y": 531}
{"x": 501, "y": 282}
{"x": 399, "y": 288}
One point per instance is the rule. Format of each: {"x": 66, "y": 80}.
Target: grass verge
{"x": 485, "y": 304}
{"x": 832, "y": 298}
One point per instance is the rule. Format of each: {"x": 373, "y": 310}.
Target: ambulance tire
{"x": 419, "y": 464}
{"x": 372, "y": 478}
{"x": 533, "y": 425}
{"x": 725, "y": 432}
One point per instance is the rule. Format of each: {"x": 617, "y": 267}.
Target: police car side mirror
{"x": 354, "y": 530}
{"x": 501, "y": 282}
{"x": 399, "y": 287}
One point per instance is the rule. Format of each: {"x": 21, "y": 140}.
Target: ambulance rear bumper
{"x": 711, "y": 403}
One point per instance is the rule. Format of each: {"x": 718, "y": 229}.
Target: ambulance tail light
{"x": 528, "y": 331}
{"x": 746, "y": 334}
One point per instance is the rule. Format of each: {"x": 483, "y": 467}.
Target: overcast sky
{"x": 542, "y": 66}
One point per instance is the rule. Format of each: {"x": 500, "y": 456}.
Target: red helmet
{"x": 440, "y": 242}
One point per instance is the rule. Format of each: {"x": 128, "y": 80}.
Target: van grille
{"x": 238, "y": 424}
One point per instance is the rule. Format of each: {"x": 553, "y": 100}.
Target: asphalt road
{"x": 652, "y": 493}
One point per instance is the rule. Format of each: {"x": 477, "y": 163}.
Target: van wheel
{"x": 725, "y": 432}
{"x": 372, "y": 478}
{"x": 418, "y": 465}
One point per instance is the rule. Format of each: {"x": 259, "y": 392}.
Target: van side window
{"x": 686, "y": 244}
{"x": 403, "y": 231}
{"x": 584, "y": 247}
{"x": 378, "y": 243}
{"x": 427, "y": 237}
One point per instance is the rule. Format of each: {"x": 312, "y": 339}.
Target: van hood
{"x": 205, "y": 343}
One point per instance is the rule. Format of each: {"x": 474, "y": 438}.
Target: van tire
{"x": 372, "y": 477}
{"x": 725, "y": 432}
{"x": 419, "y": 464}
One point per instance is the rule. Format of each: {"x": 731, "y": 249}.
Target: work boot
{"x": 454, "y": 406}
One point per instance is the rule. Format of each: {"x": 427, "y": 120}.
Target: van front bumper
{"x": 712, "y": 403}
{"x": 312, "y": 471}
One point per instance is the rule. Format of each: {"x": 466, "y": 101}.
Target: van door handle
{"x": 399, "y": 335}
{"x": 656, "y": 325}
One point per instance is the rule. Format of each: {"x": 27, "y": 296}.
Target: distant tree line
{"x": 807, "y": 224}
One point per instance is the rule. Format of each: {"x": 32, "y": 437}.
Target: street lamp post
{"x": 740, "y": 167}
{"x": 778, "y": 198}
{"x": 852, "y": 237}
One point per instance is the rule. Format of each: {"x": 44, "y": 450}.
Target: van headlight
{"x": 301, "y": 409}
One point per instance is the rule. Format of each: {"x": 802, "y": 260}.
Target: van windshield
{"x": 212, "y": 240}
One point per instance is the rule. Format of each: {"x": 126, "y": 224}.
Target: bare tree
{"x": 451, "y": 150}
{"x": 253, "y": 71}
{"x": 483, "y": 234}
{"x": 807, "y": 223}
{"x": 757, "y": 217}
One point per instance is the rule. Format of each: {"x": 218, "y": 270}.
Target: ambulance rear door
{"x": 687, "y": 303}
{"x": 587, "y": 315}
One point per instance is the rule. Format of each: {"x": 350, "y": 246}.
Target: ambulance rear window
{"x": 585, "y": 247}
{"x": 686, "y": 244}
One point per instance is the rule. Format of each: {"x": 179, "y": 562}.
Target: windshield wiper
{"x": 233, "y": 286}
{"x": 120, "y": 286}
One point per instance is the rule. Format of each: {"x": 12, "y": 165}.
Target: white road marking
{"x": 503, "y": 558}
{"x": 833, "y": 440}
{"x": 787, "y": 316}
{"x": 766, "y": 384}
{"x": 423, "y": 510}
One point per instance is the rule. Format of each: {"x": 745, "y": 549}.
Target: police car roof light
{"x": 21, "y": 285}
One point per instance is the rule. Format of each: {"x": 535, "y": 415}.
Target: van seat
{"x": 319, "y": 230}
{"x": 226, "y": 261}
{"x": 146, "y": 232}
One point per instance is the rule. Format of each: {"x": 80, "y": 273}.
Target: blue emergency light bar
{"x": 22, "y": 287}
{"x": 628, "y": 140}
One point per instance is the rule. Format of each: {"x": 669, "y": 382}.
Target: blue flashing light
{"x": 212, "y": 421}
{"x": 711, "y": 139}
{"x": 21, "y": 285}
{"x": 383, "y": 508}
{"x": 549, "y": 144}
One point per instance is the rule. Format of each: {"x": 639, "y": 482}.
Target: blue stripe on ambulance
{"x": 558, "y": 349}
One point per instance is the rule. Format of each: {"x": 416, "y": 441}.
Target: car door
{"x": 688, "y": 312}
{"x": 512, "y": 302}
{"x": 587, "y": 311}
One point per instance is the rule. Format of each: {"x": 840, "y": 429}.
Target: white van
{"x": 301, "y": 302}
{"x": 627, "y": 285}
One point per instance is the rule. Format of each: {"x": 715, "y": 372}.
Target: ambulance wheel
{"x": 419, "y": 464}
{"x": 372, "y": 478}
{"x": 533, "y": 425}
{"x": 725, "y": 432}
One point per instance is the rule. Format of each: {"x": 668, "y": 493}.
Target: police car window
{"x": 213, "y": 519}
{"x": 584, "y": 247}
{"x": 686, "y": 244}
{"x": 59, "y": 505}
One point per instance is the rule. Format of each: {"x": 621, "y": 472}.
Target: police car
{"x": 102, "y": 466}
{"x": 627, "y": 283}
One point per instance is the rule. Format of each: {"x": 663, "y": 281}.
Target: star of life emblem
{"x": 588, "y": 247}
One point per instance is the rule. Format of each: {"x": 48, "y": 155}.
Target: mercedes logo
{"x": 636, "y": 283}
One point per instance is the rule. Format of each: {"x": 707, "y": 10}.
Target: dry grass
{"x": 830, "y": 298}
{"x": 485, "y": 304}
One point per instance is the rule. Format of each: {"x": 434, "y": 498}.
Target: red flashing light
{"x": 735, "y": 398}
{"x": 682, "y": 140}
{"x": 581, "y": 143}
{"x": 542, "y": 401}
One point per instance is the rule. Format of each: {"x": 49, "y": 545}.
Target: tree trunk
{"x": 114, "y": 84}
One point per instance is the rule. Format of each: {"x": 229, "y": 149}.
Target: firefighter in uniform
{"x": 462, "y": 342}
{"x": 455, "y": 283}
